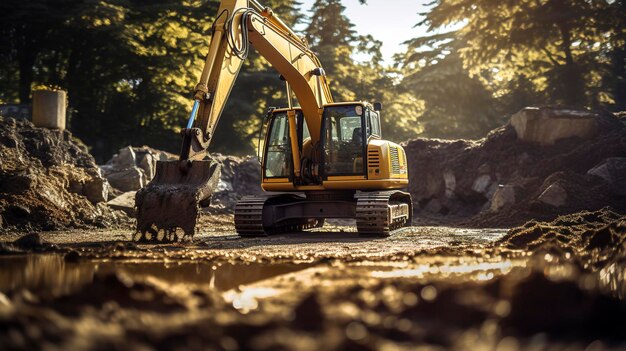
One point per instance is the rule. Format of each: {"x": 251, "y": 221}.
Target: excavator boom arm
{"x": 240, "y": 23}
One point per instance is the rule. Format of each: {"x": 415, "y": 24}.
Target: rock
{"x": 545, "y": 126}
{"x": 554, "y": 195}
{"x": 482, "y": 183}
{"x": 142, "y": 158}
{"x": 125, "y": 158}
{"x": 29, "y": 241}
{"x": 504, "y": 196}
{"x": 124, "y": 202}
{"x": 96, "y": 190}
{"x": 148, "y": 165}
{"x": 613, "y": 171}
{"x": 128, "y": 179}
{"x": 450, "y": 182}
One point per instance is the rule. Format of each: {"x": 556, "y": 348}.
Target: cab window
{"x": 374, "y": 122}
{"x": 343, "y": 140}
{"x": 278, "y": 156}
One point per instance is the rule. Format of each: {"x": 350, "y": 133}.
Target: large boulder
{"x": 96, "y": 189}
{"x": 133, "y": 167}
{"x": 128, "y": 179}
{"x": 240, "y": 176}
{"x": 124, "y": 202}
{"x": 545, "y": 126}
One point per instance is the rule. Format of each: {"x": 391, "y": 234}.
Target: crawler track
{"x": 381, "y": 213}
{"x": 249, "y": 216}
{"x": 377, "y": 213}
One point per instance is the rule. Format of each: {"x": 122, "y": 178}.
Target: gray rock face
{"x": 96, "y": 190}
{"x": 124, "y": 202}
{"x": 545, "y": 126}
{"x": 555, "y": 195}
{"x": 450, "y": 181}
{"x": 613, "y": 171}
{"x": 482, "y": 184}
{"x": 133, "y": 167}
{"x": 125, "y": 158}
{"x": 240, "y": 176}
{"x": 504, "y": 196}
{"x": 148, "y": 165}
{"x": 128, "y": 179}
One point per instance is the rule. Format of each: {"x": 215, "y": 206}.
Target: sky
{"x": 390, "y": 21}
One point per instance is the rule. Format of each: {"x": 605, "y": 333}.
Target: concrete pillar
{"x": 49, "y": 108}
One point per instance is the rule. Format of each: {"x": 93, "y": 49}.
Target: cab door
{"x": 344, "y": 141}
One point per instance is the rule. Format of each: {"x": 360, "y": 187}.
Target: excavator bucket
{"x": 172, "y": 199}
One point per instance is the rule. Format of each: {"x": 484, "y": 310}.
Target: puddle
{"x": 467, "y": 271}
{"x": 50, "y": 272}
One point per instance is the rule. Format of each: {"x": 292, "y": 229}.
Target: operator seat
{"x": 356, "y": 147}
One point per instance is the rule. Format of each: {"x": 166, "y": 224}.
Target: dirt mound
{"x": 583, "y": 231}
{"x": 48, "y": 181}
{"x": 502, "y": 180}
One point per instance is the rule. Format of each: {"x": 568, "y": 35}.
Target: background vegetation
{"x": 129, "y": 66}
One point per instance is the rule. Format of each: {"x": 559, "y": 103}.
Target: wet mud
{"x": 430, "y": 288}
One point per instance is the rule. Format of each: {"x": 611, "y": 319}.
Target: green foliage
{"x": 331, "y": 35}
{"x": 129, "y": 66}
{"x": 562, "y": 47}
{"x": 487, "y": 59}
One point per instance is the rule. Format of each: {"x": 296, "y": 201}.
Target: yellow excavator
{"x": 320, "y": 158}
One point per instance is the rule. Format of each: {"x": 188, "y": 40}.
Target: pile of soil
{"x": 583, "y": 231}
{"x": 49, "y": 181}
{"x": 502, "y": 181}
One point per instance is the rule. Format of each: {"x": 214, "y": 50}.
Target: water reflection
{"x": 43, "y": 273}
{"x": 50, "y": 273}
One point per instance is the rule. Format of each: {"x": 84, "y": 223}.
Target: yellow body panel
{"x": 377, "y": 184}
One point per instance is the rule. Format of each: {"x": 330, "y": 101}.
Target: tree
{"x": 560, "y": 46}
{"x": 454, "y": 104}
{"x": 129, "y": 67}
{"x": 332, "y": 37}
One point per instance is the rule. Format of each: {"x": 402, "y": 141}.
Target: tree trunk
{"x": 27, "y": 50}
{"x": 571, "y": 85}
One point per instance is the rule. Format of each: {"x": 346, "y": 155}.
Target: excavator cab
{"x": 346, "y": 130}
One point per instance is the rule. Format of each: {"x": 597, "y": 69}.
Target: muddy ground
{"x": 72, "y": 277}
{"x": 543, "y": 286}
